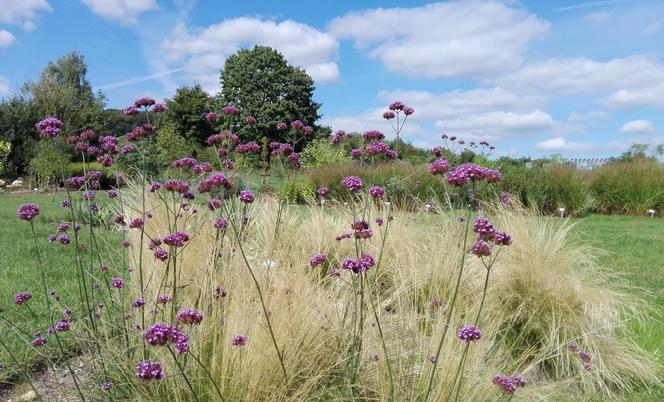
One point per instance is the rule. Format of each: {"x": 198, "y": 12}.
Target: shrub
{"x": 630, "y": 187}
{"x": 407, "y": 185}
{"x": 297, "y": 191}
{"x": 322, "y": 152}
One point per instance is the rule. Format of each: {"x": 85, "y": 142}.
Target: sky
{"x": 533, "y": 77}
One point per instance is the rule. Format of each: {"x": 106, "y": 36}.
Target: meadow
{"x": 636, "y": 266}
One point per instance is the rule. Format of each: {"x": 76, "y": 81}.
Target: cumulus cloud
{"x": 493, "y": 126}
{"x": 4, "y": 87}
{"x": 629, "y": 82}
{"x": 6, "y": 38}
{"x": 124, "y": 11}
{"x": 468, "y": 38}
{"x": 560, "y": 144}
{"x": 638, "y": 127}
{"x": 202, "y": 51}
{"x": 22, "y": 12}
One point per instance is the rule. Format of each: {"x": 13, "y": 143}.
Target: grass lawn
{"x": 632, "y": 246}
{"x": 20, "y": 271}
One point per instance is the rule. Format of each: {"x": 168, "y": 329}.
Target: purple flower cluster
{"x": 220, "y": 223}
{"x": 239, "y": 340}
{"x": 467, "y": 172}
{"x": 249, "y": 147}
{"x": 190, "y": 316}
{"x": 338, "y": 136}
{"x": 322, "y": 191}
{"x": 215, "y": 181}
{"x": 352, "y": 183}
{"x": 22, "y": 297}
{"x": 149, "y": 370}
{"x": 174, "y": 185}
{"x": 246, "y": 196}
{"x": 469, "y": 333}
{"x": 509, "y": 384}
{"x": 317, "y": 260}
{"x": 487, "y": 233}
{"x": 481, "y": 248}
{"x": 230, "y": 110}
{"x": 373, "y": 135}
{"x": 49, "y": 127}
{"x": 117, "y": 283}
{"x": 176, "y": 239}
{"x": 439, "y": 167}
{"x": 143, "y": 102}
{"x": 27, "y": 212}
{"x": 163, "y": 334}
{"x": 359, "y": 265}
{"x": 136, "y": 223}
{"x": 377, "y": 192}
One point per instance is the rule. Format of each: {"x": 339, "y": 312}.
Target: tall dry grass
{"x": 545, "y": 291}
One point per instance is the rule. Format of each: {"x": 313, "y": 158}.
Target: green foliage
{"x": 48, "y": 163}
{"x": 5, "y": 148}
{"x": 117, "y": 123}
{"x": 629, "y": 187}
{"x": 170, "y": 145}
{"x": 185, "y": 112}
{"x": 261, "y": 83}
{"x": 296, "y": 190}
{"x": 18, "y": 116}
{"x": 322, "y": 152}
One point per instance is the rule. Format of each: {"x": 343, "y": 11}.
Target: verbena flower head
{"x": 251, "y": 120}
{"x": 408, "y": 110}
{"x": 175, "y": 185}
{"x": 467, "y": 172}
{"x": 49, "y": 127}
{"x": 106, "y": 386}
{"x": 149, "y": 370}
{"x": 376, "y": 192}
{"x": 439, "y": 167}
{"x": 352, "y": 183}
{"x": 282, "y": 126}
{"x": 484, "y": 229}
{"x": 239, "y": 340}
{"x": 505, "y": 383}
{"x": 64, "y": 239}
{"x": 117, "y": 283}
{"x": 502, "y": 239}
{"x": 130, "y": 111}
{"x": 246, "y": 196}
{"x": 176, "y": 239}
{"x": 469, "y": 333}
{"x": 389, "y": 115}
{"x": 27, "y": 212}
{"x": 317, "y": 260}
{"x": 297, "y": 125}
{"x": 160, "y": 254}
{"x": 163, "y": 334}
{"x": 220, "y": 223}
{"x": 22, "y": 297}
{"x": 249, "y": 147}
{"x": 215, "y": 181}
{"x": 211, "y": 116}
{"x": 219, "y": 292}
{"x": 322, "y": 191}
{"x": 136, "y": 223}
{"x": 359, "y": 265}
{"x": 38, "y": 341}
{"x": 140, "y": 302}
{"x": 190, "y": 316}
{"x": 397, "y": 105}
{"x": 373, "y": 135}
{"x": 159, "y": 107}
{"x": 144, "y": 102}
{"x": 63, "y": 325}
{"x": 230, "y": 110}
{"x": 585, "y": 356}
{"x": 481, "y": 249}
{"x": 519, "y": 381}
{"x": 356, "y": 153}
{"x": 505, "y": 197}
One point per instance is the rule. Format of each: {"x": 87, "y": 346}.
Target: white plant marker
{"x": 652, "y": 213}
{"x": 562, "y": 212}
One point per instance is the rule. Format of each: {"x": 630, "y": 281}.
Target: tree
{"x": 261, "y": 83}
{"x": 185, "y": 113}
{"x": 18, "y": 116}
{"x": 63, "y": 90}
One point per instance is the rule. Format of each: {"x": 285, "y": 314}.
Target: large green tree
{"x": 185, "y": 112}
{"x": 17, "y": 127}
{"x": 261, "y": 83}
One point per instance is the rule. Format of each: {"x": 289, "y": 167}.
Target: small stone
{"x": 28, "y": 396}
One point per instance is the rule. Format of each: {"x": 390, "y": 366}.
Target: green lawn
{"x": 20, "y": 271}
{"x": 633, "y": 247}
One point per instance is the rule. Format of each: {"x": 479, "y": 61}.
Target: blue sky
{"x": 579, "y": 78}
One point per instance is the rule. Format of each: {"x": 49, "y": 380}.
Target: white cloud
{"x": 203, "y": 51}
{"x": 498, "y": 125}
{"x": 4, "y": 87}
{"x": 443, "y": 39}
{"x": 638, "y": 127}
{"x": 575, "y": 117}
{"x": 124, "y": 11}
{"x": 22, "y": 12}
{"x": 629, "y": 82}
{"x": 6, "y": 38}
{"x": 560, "y": 144}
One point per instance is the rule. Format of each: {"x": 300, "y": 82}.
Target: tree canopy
{"x": 261, "y": 83}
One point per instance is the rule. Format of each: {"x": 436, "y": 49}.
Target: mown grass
{"x": 20, "y": 271}
{"x": 631, "y": 245}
